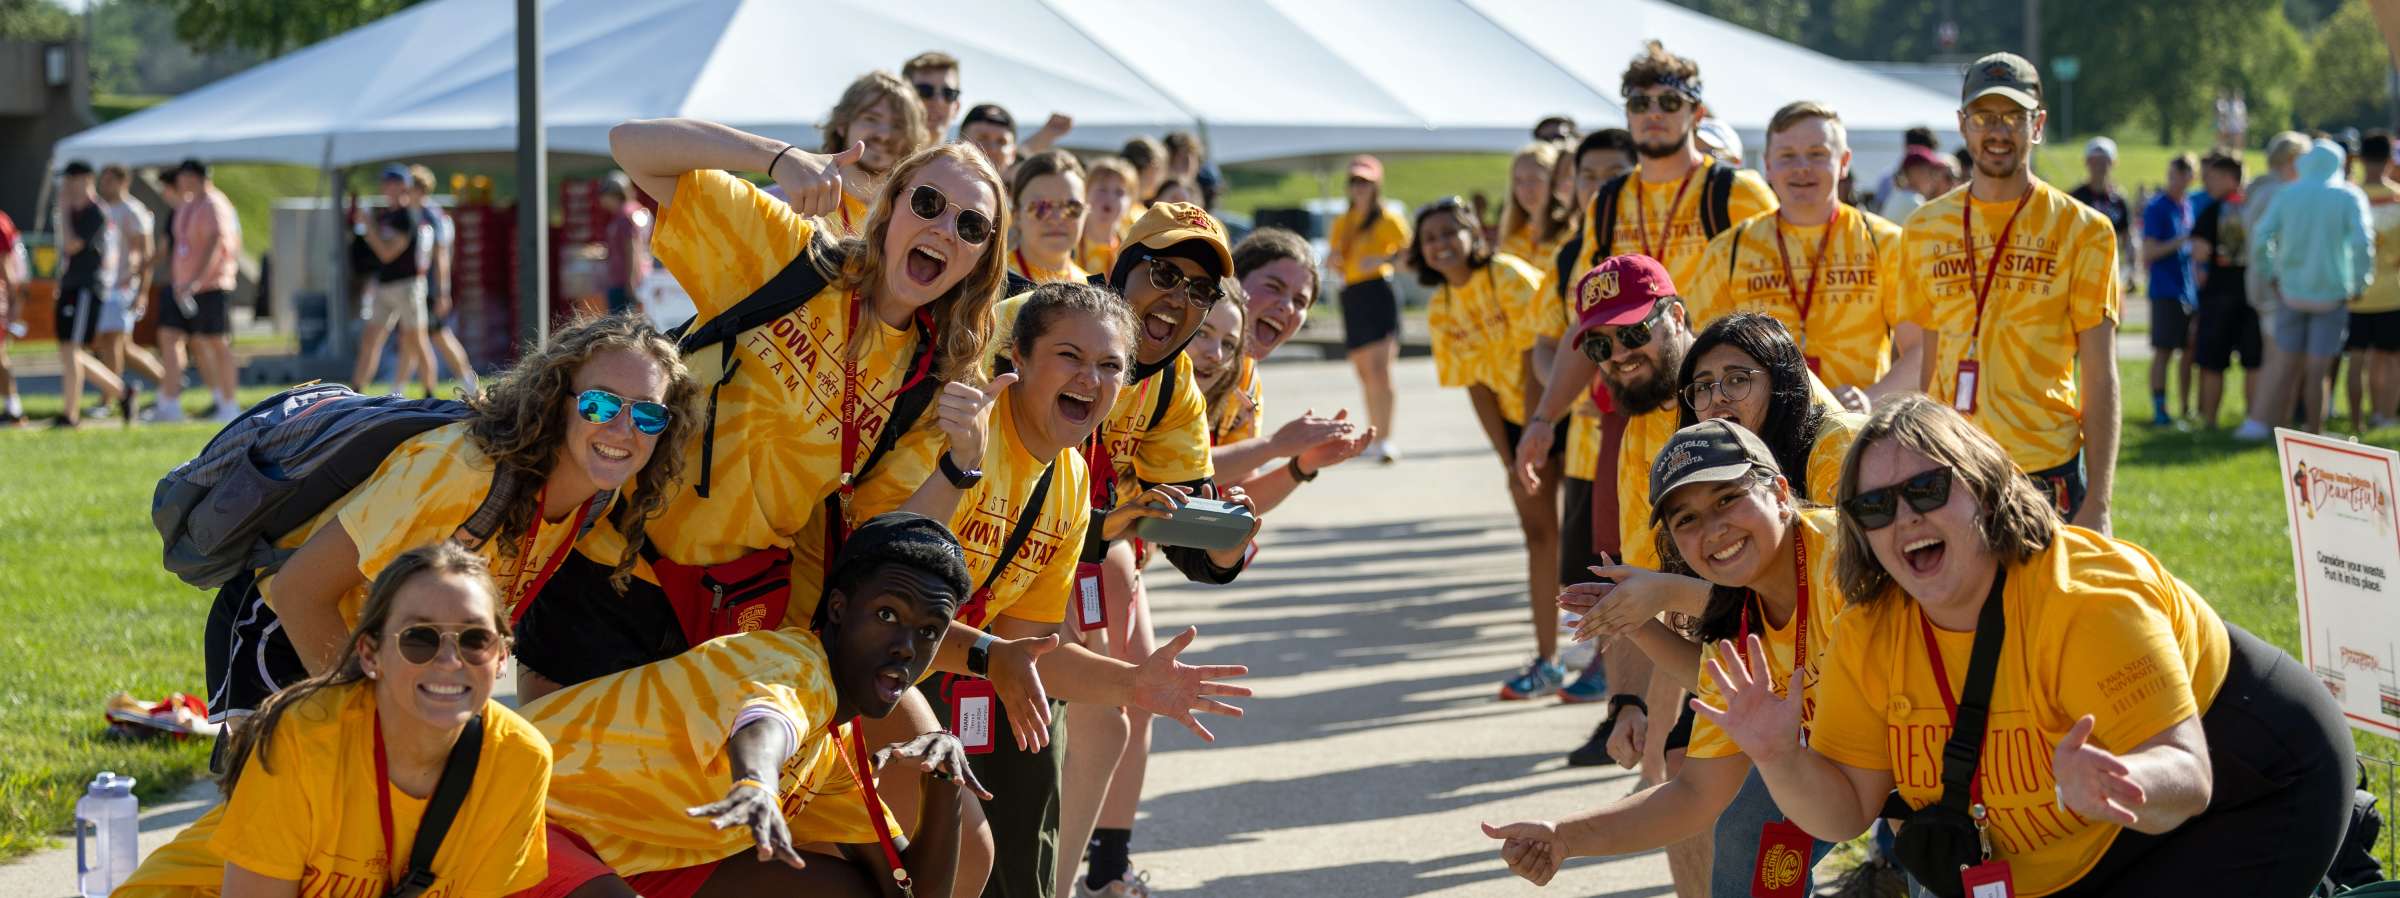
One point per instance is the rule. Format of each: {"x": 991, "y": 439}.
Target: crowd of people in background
{"x": 840, "y": 586}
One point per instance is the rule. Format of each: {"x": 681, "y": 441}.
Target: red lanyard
{"x": 383, "y": 804}
{"x": 1799, "y": 618}
{"x": 1816, "y": 270}
{"x": 844, "y": 208}
{"x": 850, "y": 423}
{"x": 856, "y": 760}
{"x": 524, "y": 599}
{"x": 1101, "y": 467}
{"x": 1641, "y": 213}
{"x": 1941, "y": 679}
{"x": 1022, "y": 268}
{"x": 1991, "y": 271}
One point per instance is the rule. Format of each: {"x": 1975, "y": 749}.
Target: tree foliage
{"x": 35, "y": 20}
{"x": 271, "y": 27}
{"x": 135, "y": 51}
{"x": 2348, "y": 71}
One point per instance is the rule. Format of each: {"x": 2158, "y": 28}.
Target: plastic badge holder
{"x": 1200, "y": 524}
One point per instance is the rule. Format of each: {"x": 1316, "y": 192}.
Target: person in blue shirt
{"x": 2166, "y": 248}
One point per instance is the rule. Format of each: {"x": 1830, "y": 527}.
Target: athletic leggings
{"x": 2280, "y": 801}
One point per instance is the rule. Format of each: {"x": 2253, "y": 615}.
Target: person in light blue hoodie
{"x": 2316, "y": 246}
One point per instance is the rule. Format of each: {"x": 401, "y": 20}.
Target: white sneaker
{"x": 2252, "y": 432}
{"x": 226, "y": 412}
{"x": 1133, "y": 885}
{"x": 1382, "y": 452}
{"x": 167, "y": 411}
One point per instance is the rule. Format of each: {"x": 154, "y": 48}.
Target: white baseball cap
{"x": 1716, "y": 135}
{"x": 2100, "y": 146}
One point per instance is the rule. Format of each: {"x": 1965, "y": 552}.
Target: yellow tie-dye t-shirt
{"x": 1819, "y": 534}
{"x": 1646, "y": 435}
{"x": 1848, "y": 334}
{"x": 1529, "y": 247}
{"x": 1482, "y": 328}
{"x": 2095, "y": 626}
{"x": 1355, "y": 243}
{"x": 1097, "y": 257}
{"x": 1236, "y": 417}
{"x": 1651, "y": 221}
{"x": 422, "y": 494}
{"x": 1038, "y": 580}
{"x": 2056, "y": 279}
{"x": 1172, "y": 448}
{"x": 1835, "y": 433}
{"x": 779, "y": 420}
{"x": 636, "y": 748}
{"x": 307, "y": 812}
{"x": 1072, "y": 273}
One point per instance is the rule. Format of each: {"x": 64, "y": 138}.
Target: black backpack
{"x": 1599, "y": 238}
{"x": 791, "y": 288}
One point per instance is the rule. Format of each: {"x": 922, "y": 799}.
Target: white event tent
{"x": 1261, "y": 79}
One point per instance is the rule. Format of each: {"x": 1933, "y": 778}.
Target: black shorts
{"x": 2229, "y": 326}
{"x": 248, "y": 656}
{"x": 2279, "y": 801}
{"x": 1370, "y": 312}
{"x": 210, "y": 319}
{"x": 1680, "y": 737}
{"x": 579, "y": 627}
{"x": 1515, "y": 433}
{"x": 1023, "y": 810}
{"x": 2170, "y": 322}
{"x": 1575, "y": 549}
{"x": 78, "y": 314}
{"x": 2379, "y": 331}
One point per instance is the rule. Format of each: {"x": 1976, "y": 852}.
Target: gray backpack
{"x": 280, "y": 464}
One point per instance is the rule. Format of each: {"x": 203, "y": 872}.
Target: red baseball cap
{"x": 1367, "y": 167}
{"x": 1619, "y": 291}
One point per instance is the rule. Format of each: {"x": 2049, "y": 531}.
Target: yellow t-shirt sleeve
{"x": 722, "y": 237}
{"x": 272, "y": 817}
{"x": 901, "y": 471}
{"x": 1850, "y": 727}
{"x": 1521, "y": 294}
{"x": 2094, "y": 296}
{"x": 420, "y": 495}
{"x": 1704, "y": 298}
{"x": 1751, "y": 196}
{"x": 1888, "y": 243}
{"x": 1834, "y": 435}
{"x": 1707, "y": 740}
{"x": 1441, "y": 320}
{"x": 1176, "y": 450}
{"x": 1391, "y": 236}
{"x": 2120, "y": 663}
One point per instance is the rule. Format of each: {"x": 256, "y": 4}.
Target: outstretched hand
{"x": 2092, "y": 781}
{"x": 938, "y": 755}
{"x": 1017, "y": 680}
{"x": 1169, "y": 688}
{"x": 758, "y": 808}
{"x": 1766, "y": 726}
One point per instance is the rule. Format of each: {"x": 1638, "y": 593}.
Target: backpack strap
{"x": 1716, "y": 206}
{"x": 1965, "y": 748}
{"x": 1564, "y": 266}
{"x": 1166, "y": 398}
{"x": 479, "y": 526}
{"x": 458, "y": 773}
{"x": 800, "y": 281}
{"x": 1603, "y": 231}
{"x": 1733, "y": 258}
{"x": 1023, "y": 531}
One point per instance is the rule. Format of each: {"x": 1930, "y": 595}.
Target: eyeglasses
{"x": 1875, "y": 509}
{"x": 1203, "y": 290}
{"x": 1669, "y": 103}
{"x": 1048, "y": 209}
{"x": 422, "y": 643}
{"x": 928, "y": 202}
{"x": 602, "y": 406}
{"x": 1733, "y": 387}
{"x": 930, "y": 91}
{"x": 1985, "y": 120}
{"x": 1596, "y": 345}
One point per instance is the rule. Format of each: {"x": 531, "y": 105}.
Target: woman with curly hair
{"x": 585, "y": 428}
{"x": 410, "y": 685}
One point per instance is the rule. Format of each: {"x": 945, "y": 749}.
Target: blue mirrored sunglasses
{"x": 602, "y": 406}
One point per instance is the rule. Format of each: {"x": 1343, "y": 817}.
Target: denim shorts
{"x": 2310, "y": 333}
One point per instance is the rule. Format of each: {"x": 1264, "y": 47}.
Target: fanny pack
{"x": 1938, "y": 841}
{"x": 738, "y": 596}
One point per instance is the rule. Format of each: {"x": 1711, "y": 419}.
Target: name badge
{"x": 1782, "y": 872}
{"x": 1989, "y": 879}
{"x": 1964, "y": 401}
{"x": 1091, "y": 611}
{"x": 973, "y": 700}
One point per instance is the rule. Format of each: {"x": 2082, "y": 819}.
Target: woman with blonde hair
{"x": 330, "y": 782}
{"x": 1108, "y": 192}
{"x": 1535, "y": 220}
{"x": 1048, "y": 191}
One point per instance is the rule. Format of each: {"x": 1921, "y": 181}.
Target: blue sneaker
{"x": 1539, "y": 678}
{"x": 1589, "y": 686}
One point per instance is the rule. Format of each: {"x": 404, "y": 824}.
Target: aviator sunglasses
{"x": 602, "y": 406}
{"x": 422, "y": 643}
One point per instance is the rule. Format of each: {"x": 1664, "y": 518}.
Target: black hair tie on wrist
{"x": 778, "y": 158}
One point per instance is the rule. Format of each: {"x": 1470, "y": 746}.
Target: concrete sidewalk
{"x": 1386, "y": 605}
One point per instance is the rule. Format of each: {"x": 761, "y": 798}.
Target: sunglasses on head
{"x": 602, "y": 406}
{"x": 930, "y": 91}
{"x": 1050, "y": 209}
{"x": 1203, "y": 290}
{"x": 928, "y": 202}
{"x": 1669, "y": 103}
{"x": 1598, "y": 346}
{"x": 1875, "y": 509}
{"x": 422, "y": 643}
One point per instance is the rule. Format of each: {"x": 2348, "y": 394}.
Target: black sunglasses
{"x": 1204, "y": 290}
{"x": 1636, "y": 104}
{"x": 422, "y": 643}
{"x": 1597, "y": 346}
{"x": 928, "y": 202}
{"x": 1875, "y": 508}
{"x": 602, "y": 406}
{"x": 929, "y": 91}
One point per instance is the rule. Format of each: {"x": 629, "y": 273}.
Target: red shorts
{"x": 572, "y": 864}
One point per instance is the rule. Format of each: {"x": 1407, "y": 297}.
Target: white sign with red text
{"x": 2346, "y": 559}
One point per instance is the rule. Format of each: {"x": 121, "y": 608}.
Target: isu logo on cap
{"x": 1599, "y": 288}
{"x": 1192, "y": 217}
{"x": 1999, "y": 71}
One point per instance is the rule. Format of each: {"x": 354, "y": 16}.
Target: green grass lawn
{"x": 91, "y": 612}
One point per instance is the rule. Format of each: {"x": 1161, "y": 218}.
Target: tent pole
{"x": 533, "y": 184}
{"x": 338, "y": 313}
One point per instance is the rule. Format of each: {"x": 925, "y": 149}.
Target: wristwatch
{"x": 963, "y": 479}
{"x": 979, "y": 655}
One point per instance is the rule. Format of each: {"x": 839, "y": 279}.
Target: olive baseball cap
{"x": 2006, "y": 74}
{"x": 1712, "y": 451}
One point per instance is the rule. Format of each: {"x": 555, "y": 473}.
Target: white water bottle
{"x": 111, "y": 818}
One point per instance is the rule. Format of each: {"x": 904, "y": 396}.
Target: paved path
{"x": 1385, "y": 608}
